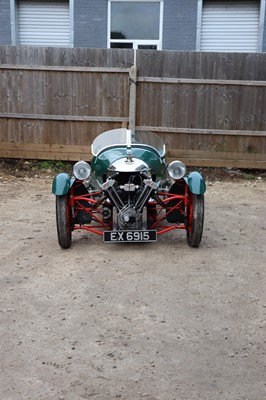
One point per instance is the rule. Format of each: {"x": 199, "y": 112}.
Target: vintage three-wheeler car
{"x": 128, "y": 193}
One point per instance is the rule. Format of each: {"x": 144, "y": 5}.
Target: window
{"x": 135, "y": 24}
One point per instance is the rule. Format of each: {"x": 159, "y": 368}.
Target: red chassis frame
{"x": 183, "y": 202}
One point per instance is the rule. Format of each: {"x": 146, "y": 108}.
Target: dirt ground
{"x": 133, "y": 321}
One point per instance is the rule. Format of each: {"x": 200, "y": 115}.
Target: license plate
{"x": 130, "y": 236}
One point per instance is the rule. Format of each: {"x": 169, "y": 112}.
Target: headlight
{"x": 82, "y": 170}
{"x": 176, "y": 170}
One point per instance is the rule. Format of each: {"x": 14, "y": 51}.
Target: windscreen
{"x": 119, "y": 137}
{"x": 114, "y": 137}
{"x": 149, "y": 139}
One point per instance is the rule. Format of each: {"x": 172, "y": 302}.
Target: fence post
{"x": 132, "y": 98}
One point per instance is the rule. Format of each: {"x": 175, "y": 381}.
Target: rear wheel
{"x": 63, "y": 221}
{"x": 195, "y": 219}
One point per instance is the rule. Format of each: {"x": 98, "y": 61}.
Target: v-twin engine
{"x": 129, "y": 194}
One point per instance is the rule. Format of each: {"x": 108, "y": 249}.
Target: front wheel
{"x": 195, "y": 219}
{"x": 63, "y": 221}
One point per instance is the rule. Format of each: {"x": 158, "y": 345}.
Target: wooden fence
{"x": 210, "y": 108}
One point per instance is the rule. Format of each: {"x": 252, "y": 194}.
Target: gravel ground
{"x": 133, "y": 321}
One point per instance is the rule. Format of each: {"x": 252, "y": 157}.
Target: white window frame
{"x": 136, "y": 42}
{"x": 14, "y": 24}
{"x": 260, "y": 31}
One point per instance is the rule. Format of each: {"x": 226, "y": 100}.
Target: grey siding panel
{"x": 5, "y": 23}
{"x": 90, "y": 23}
{"x": 180, "y": 25}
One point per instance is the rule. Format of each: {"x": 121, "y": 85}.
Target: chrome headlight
{"x": 176, "y": 170}
{"x": 82, "y": 170}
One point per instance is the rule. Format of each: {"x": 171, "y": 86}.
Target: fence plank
{"x": 218, "y": 154}
{"x": 63, "y": 117}
{"x": 201, "y": 81}
{"x": 200, "y": 131}
{"x": 63, "y": 69}
{"x": 45, "y": 151}
{"x": 74, "y": 153}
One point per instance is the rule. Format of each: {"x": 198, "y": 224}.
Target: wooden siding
{"x": 210, "y": 108}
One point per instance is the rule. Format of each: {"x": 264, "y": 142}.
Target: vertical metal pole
{"x": 261, "y": 25}
{"x": 199, "y": 25}
{"x": 132, "y": 96}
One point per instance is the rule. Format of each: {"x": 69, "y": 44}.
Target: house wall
{"x": 179, "y": 28}
{"x": 5, "y": 25}
{"x": 90, "y": 23}
{"x": 180, "y": 25}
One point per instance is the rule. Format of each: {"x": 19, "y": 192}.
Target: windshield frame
{"x": 123, "y": 137}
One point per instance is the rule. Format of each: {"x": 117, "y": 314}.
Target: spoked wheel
{"x": 195, "y": 219}
{"x": 63, "y": 221}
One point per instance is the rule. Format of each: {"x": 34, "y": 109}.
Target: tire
{"x": 63, "y": 221}
{"x": 195, "y": 219}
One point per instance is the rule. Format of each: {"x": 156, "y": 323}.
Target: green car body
{"x": 101, "y": 162}
{"x": 62, "y": 183}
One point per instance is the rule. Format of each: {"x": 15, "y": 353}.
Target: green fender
{"x": 62, "y": 183}
{"x": 195, "y": 183}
